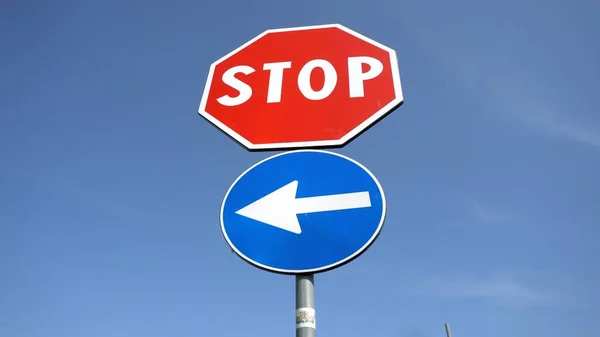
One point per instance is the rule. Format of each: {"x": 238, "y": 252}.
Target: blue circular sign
{"x": 303, "y": 211}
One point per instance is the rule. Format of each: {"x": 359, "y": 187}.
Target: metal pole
{"x": 305, "y": 306}
{"x": 448, "y": 333}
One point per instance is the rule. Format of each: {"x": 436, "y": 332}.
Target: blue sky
{"x": 111, "y": 183}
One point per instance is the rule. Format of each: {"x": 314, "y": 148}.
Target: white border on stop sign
{"x": 396, "y": 102}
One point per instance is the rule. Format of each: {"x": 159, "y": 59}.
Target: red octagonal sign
{"x": 302, "y": 87}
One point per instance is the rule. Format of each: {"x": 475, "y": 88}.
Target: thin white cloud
{"x": 542, "y": 117}
{"x": 494, "y": 220}
{"x": 484, "y": 213}
{"x": 517, "y": 90}
{"x": 535, "y": 110}
{"x": 499, "y": 291}
{"x": 511, "y": 90}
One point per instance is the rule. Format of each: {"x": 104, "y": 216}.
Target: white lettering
{"x": 275, "y": 80}
{"x": 245, "y": 92}
{"x": 356, "y": 77}
{"x": 328, "y": 85}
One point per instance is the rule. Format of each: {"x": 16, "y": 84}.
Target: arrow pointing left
{"x": 281, "y": 207}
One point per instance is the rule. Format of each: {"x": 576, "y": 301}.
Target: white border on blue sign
{"x": 399, "y": 99}
{"x": 314, "y": 270}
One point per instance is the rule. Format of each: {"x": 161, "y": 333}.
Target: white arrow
{"x": 280, "y": 207}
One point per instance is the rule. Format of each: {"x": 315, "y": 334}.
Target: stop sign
{"x": 302, "y": 87}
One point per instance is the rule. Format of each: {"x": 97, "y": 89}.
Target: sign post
{"x": 305, "y": 306}
{"x": 304, "y": 211}
{"x": 448, "y": 333}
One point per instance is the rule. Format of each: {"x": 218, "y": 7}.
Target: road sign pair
{"x": 303, "y": 211}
